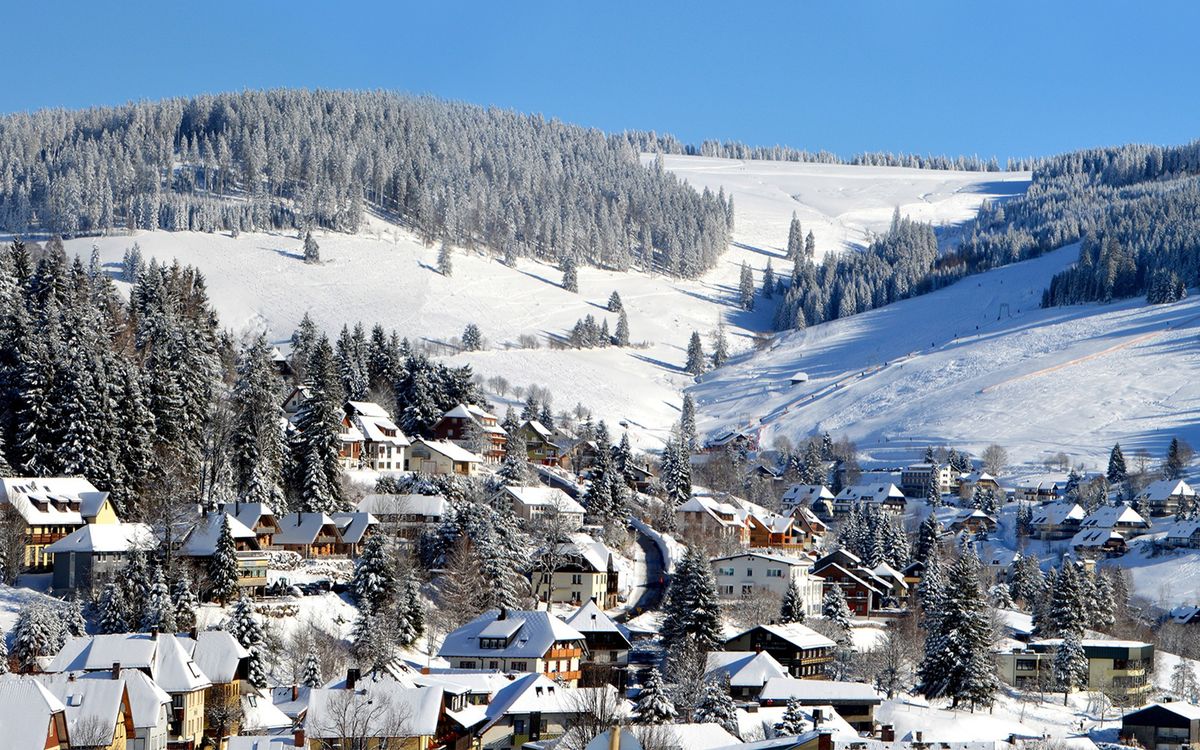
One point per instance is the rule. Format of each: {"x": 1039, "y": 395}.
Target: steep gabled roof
{"x": 26, "y": 707}
{"x": 822, "y": 691}
{"x": 301, "y": 528}
{"x": 450, "y": 450}
{"x": 389, "y": 505}
{"x": 202, "y": 538}
{"x": 167, "y": 661}
{"x": 744, "y": 668}
{"x": 544, "y": 497}
{"x": 530, "y": 635}
{"x": 591, "y": 619}
{"x": 1108, "y": 516}
{"x": 217, "y": 653}
{"x": 353, "y": 526}
{"x": 89, "y": 703}
{"x": 382, "y": 709}
{"x": 146, "y": 698}
{"x": 794, "y": 633}
{"x": 105, "y": 538}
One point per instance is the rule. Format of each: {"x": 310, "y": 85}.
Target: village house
{"x": 705, "y": 516}
{"x": 475, "y": 429}
{"x": 607, "y": 657}
{"x": 167, "y": 662}
{"x": 406, "y": 516}
{"x": 853, "y": 701}
{"x": 1057, "y": 520}
{"x": 442, "y": 457}
{"x": 804, "y": 652}
{"x": 31, "y": 718}
{"x": 1092, "y": 544}
{"x": 51, "y": 508}
{"x": 295, "y": 399}
{"x": 225, "y": 663}
{"x": 747, "y": 573}
{"x": 886, "y": 495}
{"x": 915, "y": 479}
{"x": 200, "y": 544}
{"x": 981, "y": 479}
{"x": 1040, "y": 489}
{"x": 532, "y": 503}
{"x": 1162, "y": 726}
{"x": 974, "y": 521}
{"x": 322, "y": 535}
{"x": 1115, "y": 667}
{"x": 865, "y": 591}
{"x": 540, "y": 443}
{"x": 1163, "y": 498}
{"x": 374, "y": 714}
{"x": 1120, "y": 518}
{"x": 258, "y": 517}
{"x": 816, "y": 497}
{"x": 1183, "y": 534}
{"x": 383, "y": 444}
{"x": 747, "y": 671}
{"x": 95, "y": 554}
{"x": 99, "y": 716}
{"x": 533, "y": 708}
{"x": 149, "y": 704}
{"x": 575, "y": 572}
{"x": 517, "y": 641}
{"x": 780, "y": 533}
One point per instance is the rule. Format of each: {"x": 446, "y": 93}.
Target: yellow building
{"x": 577, "y": 572}
{"x": 1119, "y": 668}
{"x": 98, "y": 711}
{"x": 517, "y": 641}
{"x": 51, "y": 508}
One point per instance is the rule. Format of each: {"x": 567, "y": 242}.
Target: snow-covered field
{"x": 257, "y": 281}
{"x": 975, "y": 363}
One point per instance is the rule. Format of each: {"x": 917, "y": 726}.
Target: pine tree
{"x": 373, "y": 584}
{"x": 570, "y": 279}
{"x": 37, "y": 632}
{"x": 222, "y": 566}
{"x": 411, "y": 610}
{"x": 183, "y": 598}
{"x": 795, "y": 240}
{"x": 316, "y": 443}
{"x": 445, "y": 260}
{"x": 472, "y": 339}
{"x": 654, "y": 704}
{"x": 136, "y": 580}
{"x": 158, "y": 612}
{"x": 311, "y": 677}
{"x": 514, "y": 468}
{"x": 692, "y": 608}
{"x": 792, "y": 608}
{"x": 958, "y": 662}
{"x": 73, "y": 621}
{"x": 1070, "y": 665}
{"x": 810, "y": 246}
{"x": 257, "y": 441}
{"x": 768, "y": 282}
{"x": 695, "y": 355}
{"x": 312, "y": 253}
{"x": 835, "y": 609}
{"x": 933, "y": 491}
{"x": 621, "y": 337}
{"x": 614, "y": 302}
{"x": 244, "y": 627}
{"x": 717, "y": 707}
{"x": 1028, "y": 583}
{"x": 928, "y": 535}
{"x": 746, "y": 288}
{"x": 720, "y": 353}
{"x": 793, "y": 722}
{"x": 1184, "y": 685}
{"x": 1173, "y": 466}
{"x": 687, "y": 422}
{"x": 1117, "y": 472}
{"x": 111, "y": 618}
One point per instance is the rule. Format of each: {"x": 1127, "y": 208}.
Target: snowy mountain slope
{"x": 974, "y": 363}
{"x": 841, "y": 204}
{"x": 383, "y": 274}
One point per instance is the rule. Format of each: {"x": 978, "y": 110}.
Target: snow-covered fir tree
{"x": 315, "y": 446}
{"x": 717, "y": 707}
{"x": 73, "y": 621}
{"x": 614, "y": 302}
{"x": 654, "y": 705}
{"x": 793, "y": 722}
{"x": 312, "y": 251}
{"x": 222, "y": 566}
{"x": 111, "y": 614}
{"x": 472, "y": 339}
{"x": 835, "y": 609}
{"x": 1069, "y": 667}
{"x": 158, "y": 612}
{"x": 746, "y": 288}
{"x": 183, "y": 598}
{"x": 692, "y": 609}
{"x": 37, "y": 632}
{"x": 720, "y": 354}
{"x": 1117, "y": 472}
{"x": 695, "y": 356}
{"x": 621, "y": 335}
{"x": 570, "y": 278}
{"x": 445, "y": 259}
{"x": 373, "y": 584}
{"x": 258, "y": 449}
{"x": 792, "y": 607}
{"x": 311, "y": 676}
{"x": 244, "y": 626}
{"x": 795, "y": 239}
{"x": 958, "y": 661}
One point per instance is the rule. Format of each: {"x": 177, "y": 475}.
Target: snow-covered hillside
{"x": 258, "y": 281}
{"x": 975, "y": 363}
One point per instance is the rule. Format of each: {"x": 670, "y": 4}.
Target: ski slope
{"x": 258, "y": 281}
{"x": 975, "y": 363}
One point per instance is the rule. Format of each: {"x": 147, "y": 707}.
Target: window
{"x": 466, "y": 664}
{"x": 728, "y": 590}
{"x": 576, "y": 579}
{"x": 493, "y": 665}
{"x": 749, "y": 572}
{"x": 518, "y": 666}
{"x": 725, "y": 572}
{"x": 747, "y": 589}
{"x": 775, "y": 573}
{"x": 518, "y": 726}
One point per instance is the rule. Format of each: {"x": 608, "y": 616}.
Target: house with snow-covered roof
{"x": 517, "y": 641}
{"x": 1057, "y": 520}
{"x": 405, "y": 515}
{"x": 161, "y": 655}
{"x": 533, "y": 708}
{"x": 258, "y": 517}
{"x": 575, "y": 572}
{"x": 384, "y": 713}
{"x": 815, "y": 496}
{"x": 1164, "y": 497}
{"x": 98, "y": 711}
{"x": 320, "y": 535}
{"x": 884, "y": 494}
{"x": 981, "y": 479}
{"x": 747, "y": 671}
{"x": 382, "y": 445}
{"x": 31, "y": 717}
{"x": 916, "y": 478}
{"x": 1099, "y": 542}
{"x": 53, "y": 507}
{"x": 1115, "y": 667}
{"x": 1162, "y": 726}
{"x": 854, "y": 701}
{"x": 608, "y": 645}
{"x": 442, "y": 457}
{"x": 148, "y": 703}
{"x": 541, "y": 444}
{"x": 200, "y": 543}
{"x": 865, "y": 591}
{"x": 95, "y": 554}
{"x": 473, "y": 428}
{"x": 531, "y": 502}
{"x": 708, "y": 516}
{"x": 1122, "y": 518}
{"x": 804, "y": 652}
{"x": 746, "y": 574}
{"x": 1183, "y": 534}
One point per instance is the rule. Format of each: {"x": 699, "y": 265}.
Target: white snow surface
{"x": 258, "y": 281}
{"x": 974, "y": 363}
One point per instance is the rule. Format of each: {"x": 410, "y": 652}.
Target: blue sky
{"x": 1005, "y": 79}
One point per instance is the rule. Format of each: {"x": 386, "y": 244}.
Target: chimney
{"x": 298, "y": 738}
{"x": 918, "y": 736}
{"x": 818, "y": 717}
{"x": 154, "y": 633}
{"x": 193, "y": 633}
{"x": 825, "y": 741}
{"x": 887, "y": 733}
{"x": 352, "y": 676}
{"x": 295, "y": 692}
{"x": 614, "y": 738}
{"x": 70, "y": 676}
{"x": 503, "y": 614}
{"x": 116, "y": 670}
